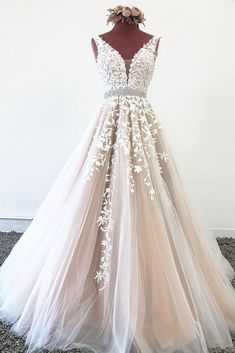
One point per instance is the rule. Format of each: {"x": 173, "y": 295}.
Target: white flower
{"x": 142, "y": 118}
{"x": 164, "y": 156}
{"x": 152, "y": 193}
{"x": 98, "y": 276}
{"x": 137, "y": 168}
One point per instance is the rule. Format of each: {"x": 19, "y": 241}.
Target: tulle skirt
{"x": 147, "y": 277}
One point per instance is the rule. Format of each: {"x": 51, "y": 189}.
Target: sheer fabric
{"x": 116, "y": 258}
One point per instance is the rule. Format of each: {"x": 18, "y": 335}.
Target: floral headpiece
{"x": 126, "y": 14}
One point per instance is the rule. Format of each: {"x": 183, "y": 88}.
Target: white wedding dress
{"x": 116, "y": 259}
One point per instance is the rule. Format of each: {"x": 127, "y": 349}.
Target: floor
{"x": 9, "y": 343}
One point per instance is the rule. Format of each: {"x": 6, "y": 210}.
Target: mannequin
{"x": 126, "y": 38}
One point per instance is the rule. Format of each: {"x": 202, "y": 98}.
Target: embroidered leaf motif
{"x": 129, "y": 128}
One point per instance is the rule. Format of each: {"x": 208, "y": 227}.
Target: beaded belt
{"x": 124, "y": 91}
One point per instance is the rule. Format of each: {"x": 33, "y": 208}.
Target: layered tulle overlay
{"x": 116, "y": 259}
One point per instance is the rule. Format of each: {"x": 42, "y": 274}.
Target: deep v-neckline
{"x": 127, "y": 74}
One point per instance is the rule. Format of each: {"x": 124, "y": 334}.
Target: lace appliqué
{"x": 136, "y": 134}
{"x": 131, "y": 126}
{"x": 115, "y": 72}
{"x": 105, "y": 222}
{"x": 106, "y": 152}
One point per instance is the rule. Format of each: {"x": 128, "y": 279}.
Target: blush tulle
{"x": 169, "y": 287}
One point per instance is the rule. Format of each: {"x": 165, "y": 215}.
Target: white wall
{"x": 49, "y": 91}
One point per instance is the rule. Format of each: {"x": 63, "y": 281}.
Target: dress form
{"x": 126, "y": 38}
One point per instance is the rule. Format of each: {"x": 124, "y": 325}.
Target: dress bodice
{"x": 117, "y": 73}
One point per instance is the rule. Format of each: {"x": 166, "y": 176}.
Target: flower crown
{"x": 125, "y": 14}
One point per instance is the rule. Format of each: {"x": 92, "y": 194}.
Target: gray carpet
{"x": 10, "y": 343}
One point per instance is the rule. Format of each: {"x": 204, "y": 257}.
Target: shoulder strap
{"x": 95, "y": 38}
{"x": 97, "y": 43}
{"x": 157, "y": 45}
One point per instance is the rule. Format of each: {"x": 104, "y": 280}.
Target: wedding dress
{"x": 116, "y": 259}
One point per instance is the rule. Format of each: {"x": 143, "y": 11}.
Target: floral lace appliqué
{"x": 129, "y": 126}
{"x": 136, "y": 135}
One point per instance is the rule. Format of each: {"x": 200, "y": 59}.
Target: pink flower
{"x": 116, "y": 19}
{"x": 126, "y": 15}
{"x": 126, "y": 11}
{"x": 118, "y": 9}
{"x": 135, "y": 11}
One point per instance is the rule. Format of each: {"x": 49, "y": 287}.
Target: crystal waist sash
{"x": 125, "y": 91}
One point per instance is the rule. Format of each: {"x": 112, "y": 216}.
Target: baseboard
{"x": 20, "y": 224}
{"x": 224, "y": 232}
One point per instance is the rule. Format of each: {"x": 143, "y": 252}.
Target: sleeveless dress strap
{"x": 157, "y": 45}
